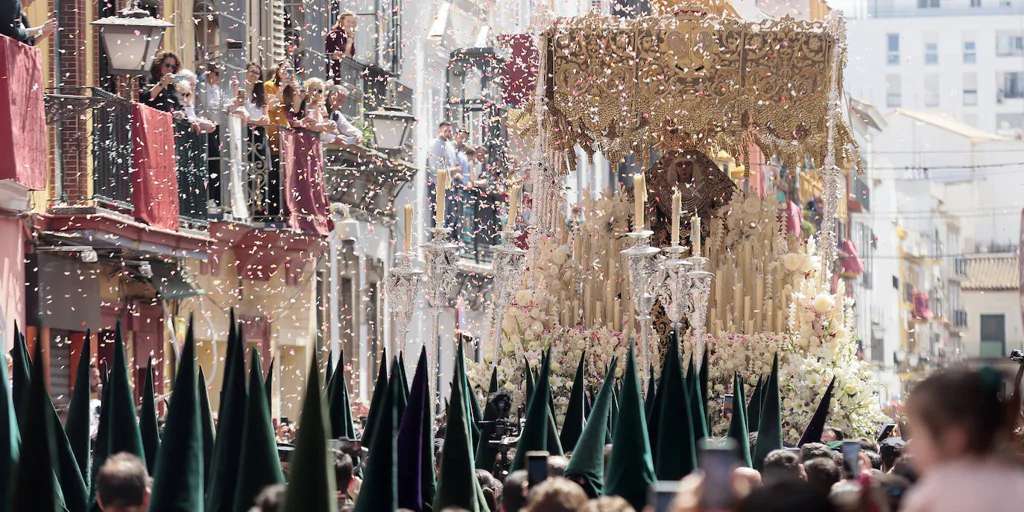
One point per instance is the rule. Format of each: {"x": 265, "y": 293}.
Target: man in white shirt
{"x": 442, "y": 155}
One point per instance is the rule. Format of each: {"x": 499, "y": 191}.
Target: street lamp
{"x": 131, "y": 39}
{"x": 392, "y": 128}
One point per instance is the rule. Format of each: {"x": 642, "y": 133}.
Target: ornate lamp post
{"x": 131, "y": 39}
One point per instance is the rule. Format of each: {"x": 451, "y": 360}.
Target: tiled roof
{"x": 992, "y": 272}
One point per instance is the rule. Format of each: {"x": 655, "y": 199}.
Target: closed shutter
{"x": 60, "y": 366}
{"x": 277, "y": 40}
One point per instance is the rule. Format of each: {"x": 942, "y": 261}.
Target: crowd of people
{"x": 475, "y": 189}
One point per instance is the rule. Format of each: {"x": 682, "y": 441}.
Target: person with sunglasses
{"x": 159, "y": 93}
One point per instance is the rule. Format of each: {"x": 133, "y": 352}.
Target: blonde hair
{"x": 341, "y": 19}
{"x": 313, "y": 84}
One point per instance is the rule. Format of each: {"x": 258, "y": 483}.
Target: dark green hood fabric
{"x": 630, "y": 469}
{"x": 586, "y": 467}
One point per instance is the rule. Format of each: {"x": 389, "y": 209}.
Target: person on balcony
{"x": 160, "y": 93}
{"x": 293, "y": 98}
{"x": 253, "y": 100}
{"x": 188, "y": 111}
{"x": 282, "y": 76}
{"x": 347, "y": 133}
{"x": 14, "y": 23}
{"x": 341, "y": 42}
{"x": 442, "y": 156}
{"x": 316, "y": 112}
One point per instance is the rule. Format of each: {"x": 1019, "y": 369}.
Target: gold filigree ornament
{"x": 694, "y": 80}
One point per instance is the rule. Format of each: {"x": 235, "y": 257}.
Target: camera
{"x": 500, "y": 431}
{"x": 1017, "y": 355}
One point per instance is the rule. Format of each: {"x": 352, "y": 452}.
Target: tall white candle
{"x": 677, "y": 208}
{"x": 408, "y": 227}
{"x": 513, "y": 206}
{"x": 695, "y": 235}
{"x": 639, "y": 200}
{"x": 441, "y": 188}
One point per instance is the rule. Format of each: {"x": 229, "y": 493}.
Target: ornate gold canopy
{"x": 697, "y": 80}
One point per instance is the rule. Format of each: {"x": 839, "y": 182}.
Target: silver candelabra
{"x": 401, "y": 288}
{"x": 642, "y": 271}
{"x": 441, "y": 265}
{"x": 509, "y": 268}
{"x": 684, "y": 288}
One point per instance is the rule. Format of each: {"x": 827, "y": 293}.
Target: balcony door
{"x": 993, "y": 336}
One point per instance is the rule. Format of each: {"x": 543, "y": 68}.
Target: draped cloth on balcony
{"x": 302, "y": 164}
{"x": 848, "y": 258}
{"x": 22, "y": 116}
{"x": 155, "y": 180}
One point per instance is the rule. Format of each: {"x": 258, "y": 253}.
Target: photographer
{"x": 159, "y": 93}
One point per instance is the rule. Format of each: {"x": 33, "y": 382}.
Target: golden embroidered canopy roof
{"x": 694, "y": 80}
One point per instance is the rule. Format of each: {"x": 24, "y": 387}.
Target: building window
{"x": 970, "y": 89}
{"x": 993, "y": 335}
{"x": 927, "y": 4}
{"x": 893, "y": 89}
{"x": 892, "y": 49}
{"x": 970, "y": 52}
{"x": 931, "y": 48}
{"x": 975, "y": 3}
{"x": 1009, "y": 44}
{"x": 1009, "y": 121}
{"x": 931, "y": 90}
{"x": 1011, "y": 85}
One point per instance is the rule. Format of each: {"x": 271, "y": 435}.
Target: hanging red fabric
{"x": 302, "y": 164}
{"x": 154, "y": 176}
{"x": 22, "y": 116}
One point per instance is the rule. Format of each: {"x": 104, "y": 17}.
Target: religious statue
{"x": 704, "y": 190}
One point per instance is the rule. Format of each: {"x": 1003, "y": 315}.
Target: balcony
{"x": 106, "y": 151}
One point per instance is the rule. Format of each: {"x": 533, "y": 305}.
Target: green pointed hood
{"x": 329, "y": 376}
{"x": 457, "y": 485}
{"x": 769, "y": 429}
{"x": 492, "y": 387}
{"x": 77, "y": 424}
{"x": 704, "y": 381}
{"x": 401, "y": 394}
{"x": 148, "y": 427}
{"x": 676, "y": 454}
{"x": 529, "y": 380}
{"x": 178, "y": 479}
{"x": 227, "y": 447}
{"x": 630, "y": 469}
{"x": 405, "y": 378}
{"x": 268, "y": 386}
{"x": 534, "y": 436}
{"x": 380, "y": 478}
{"x": 69, "y": 476}
{"x": 650, "y": 395}
{"x": 21, "y": 369}
{"x": 697, "y": 416}
{"x": 101, "y": 448}
{"x": 554, "y": 445}
{"x": 472, "y": 408}
{"x": 340, "y": 408}
{"x": 614, "y": 415}
{"x": 812, "y": 434}
{"x": 376, "y": 400}
{"x": 586, "y": 467}
{"x": 754, "y": 406}
{"x": 206, "y": 423}
{"x": 311, "y": 483}
{"x": 10, "y": 443}
{"x": 35, "y": 484}
{"x": 415, "y": 444}
{"x": 259, "y": 465}
{"x": 738, "y": 424}
{"x": 575, "y": 419}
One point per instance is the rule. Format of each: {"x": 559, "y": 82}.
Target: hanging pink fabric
{"x": 302, "y": 164}
{"x": 921, "y": 310}
{"x": 154, "y": 177}
{"x": 22, "y": 116}
{"x": 851, "y": 263}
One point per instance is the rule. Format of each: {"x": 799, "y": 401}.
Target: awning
{"x": 848, "y": 258}
{"x": 950, "y": 124}
{"x": 171, "y": 283}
